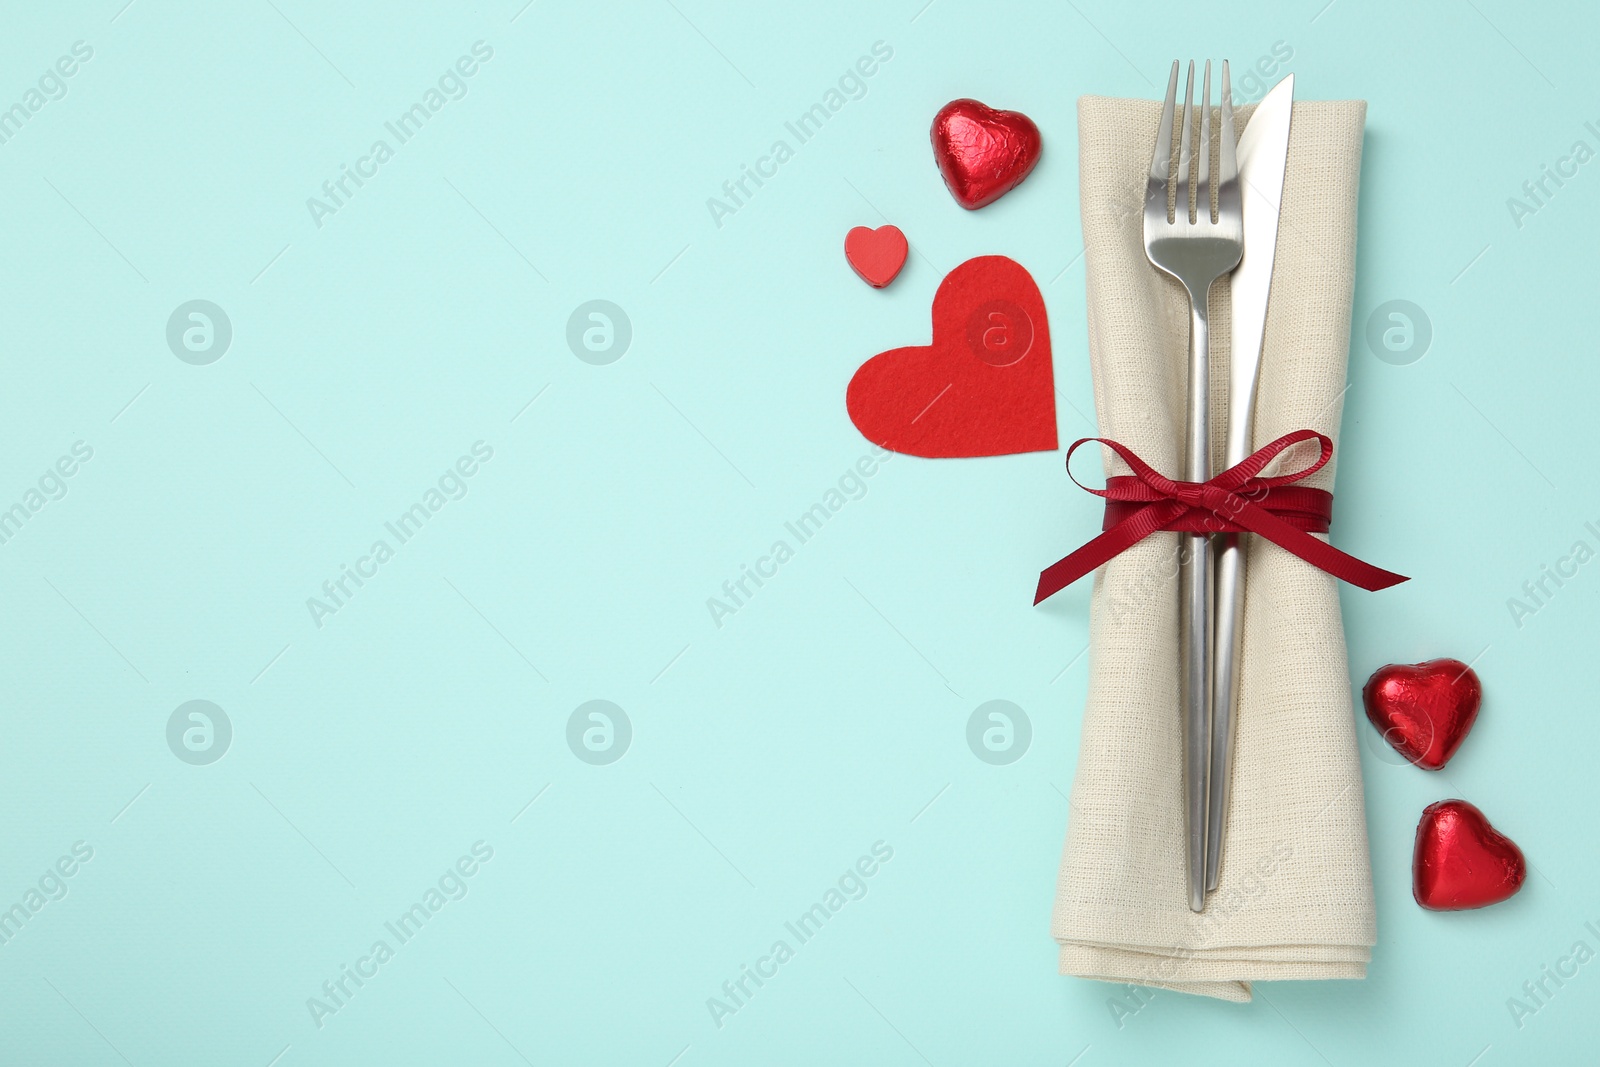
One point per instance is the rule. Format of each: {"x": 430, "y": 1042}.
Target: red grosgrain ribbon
{"x": 1239, "y": 500}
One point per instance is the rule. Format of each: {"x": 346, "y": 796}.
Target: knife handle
{"x": 1225, "y": 698}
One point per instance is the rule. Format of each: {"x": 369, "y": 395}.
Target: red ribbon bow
{"x": 1236, "y": 501}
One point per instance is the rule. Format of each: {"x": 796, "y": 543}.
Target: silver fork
{"x": 1196, "y": 245}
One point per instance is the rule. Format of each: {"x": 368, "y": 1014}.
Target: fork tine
{"x": 1227, "y": 165}
{"x": 1161, "y": 161}
{"x": 1185, "y": 149}
{"x": 1203, "y": 196}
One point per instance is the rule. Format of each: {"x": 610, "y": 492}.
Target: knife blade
{"x": 1263, "y": 160}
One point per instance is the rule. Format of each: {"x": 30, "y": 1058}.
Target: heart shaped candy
{"x": 985, "y": 386}
{"x": 983, "y": 153}
{"x": 876, "y": 255}
{"x": 1425, "y": 709}
{"x": 1461, "y": 861}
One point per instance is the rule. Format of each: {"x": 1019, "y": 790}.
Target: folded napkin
{"x": 1294, "y": 899}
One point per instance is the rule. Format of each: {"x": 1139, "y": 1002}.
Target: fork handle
{"x": 1195, "y": 578}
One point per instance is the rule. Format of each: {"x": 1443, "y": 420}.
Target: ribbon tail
{"x": 1319, "y": 554}
{"x": 1121, "y": 537}
{"x": 1063, "y": 572}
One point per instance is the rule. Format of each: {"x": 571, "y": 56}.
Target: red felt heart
{"x": 983, "y": 153}
{"x": 1461, "y": 861}
{"x": 983, "y": 388}
{"x": 877, "y": 255}
{"x": 1424, "y": 710}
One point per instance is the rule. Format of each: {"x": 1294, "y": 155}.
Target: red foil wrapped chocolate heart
{"x": 1424, "y": 709}
{"x": 1461, "y": 861}
{"x": 983, "y": 153}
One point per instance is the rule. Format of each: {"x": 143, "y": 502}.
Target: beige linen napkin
{"x": 1295, "y": 894}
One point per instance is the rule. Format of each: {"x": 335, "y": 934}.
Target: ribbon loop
{"x": 1239, "y": 500}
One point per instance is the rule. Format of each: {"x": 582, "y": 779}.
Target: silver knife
{"x": 1263, "y": 156}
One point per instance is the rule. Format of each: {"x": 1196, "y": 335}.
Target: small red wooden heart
{"x": 876, "y": 255}
{"x": 1461, "y": 861}
{"x": 1425, "y": 709}
{"x": 985, "y": 386}
{"x": 983, "y": 153}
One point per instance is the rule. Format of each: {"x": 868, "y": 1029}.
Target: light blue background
{"x": 829, "y": 713}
